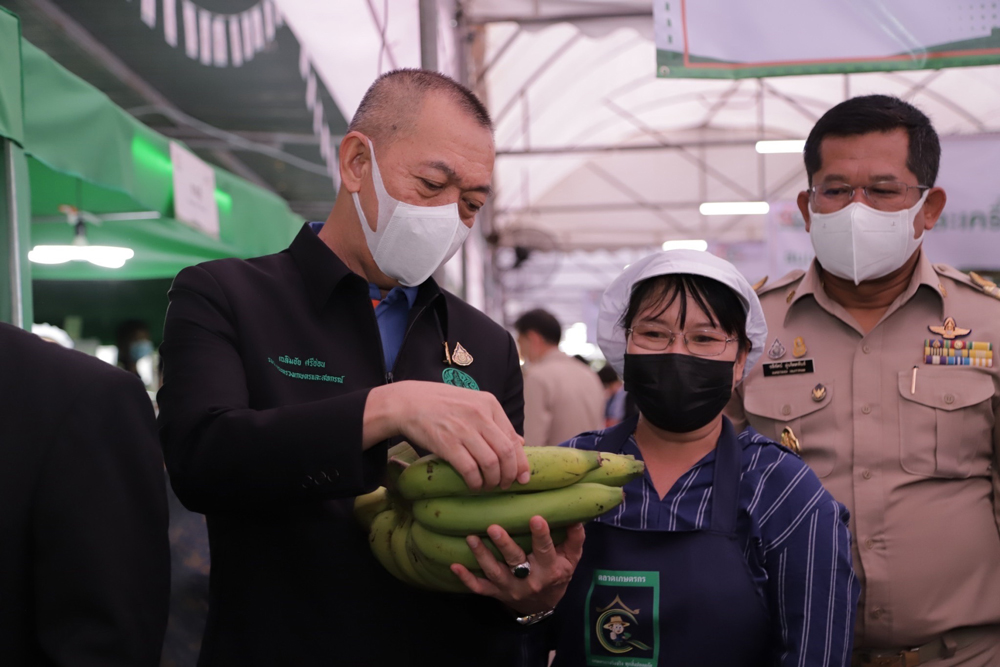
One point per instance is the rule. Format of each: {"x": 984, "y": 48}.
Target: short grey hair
{"x": 391, "y": 105}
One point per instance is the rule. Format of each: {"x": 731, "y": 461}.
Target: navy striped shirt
{"x": 794, "y": 536}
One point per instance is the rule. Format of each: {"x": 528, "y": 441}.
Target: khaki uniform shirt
{"x": 562, "y": 398}
{"x": 914, "y": 462}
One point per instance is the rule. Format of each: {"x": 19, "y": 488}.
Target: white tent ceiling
{"x": 599, "y": 153}
{"x": 593, "y": 150}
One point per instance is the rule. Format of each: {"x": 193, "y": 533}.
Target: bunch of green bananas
{"x": 418, "y": 523}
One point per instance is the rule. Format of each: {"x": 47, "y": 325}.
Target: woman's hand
{"x": 551, "y": 567}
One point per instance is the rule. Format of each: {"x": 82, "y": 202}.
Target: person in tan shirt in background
{"x": 881, "y": 373}
{"x": 562, "y": 397}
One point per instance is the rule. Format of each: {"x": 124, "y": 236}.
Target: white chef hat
{"x": 614, "y": 303}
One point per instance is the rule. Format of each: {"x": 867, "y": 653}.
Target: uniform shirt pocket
{"x": 771, "y": 409}
{"x": 946, "y": 424}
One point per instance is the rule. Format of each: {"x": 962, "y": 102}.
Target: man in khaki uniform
{"x": 562, "y": 397}
{"x": 881, "y": 370}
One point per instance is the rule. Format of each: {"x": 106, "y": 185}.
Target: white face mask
{"x": 410, "y": 242}
{"x": 860, "y": 243}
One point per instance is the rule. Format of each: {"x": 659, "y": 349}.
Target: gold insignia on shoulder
{"x": 950, "y": 330}
{"x": 988, "y": 286}
{"x": 461, "y": 356}
{"x": 759, "y": 284}
{"x": 789, "y": 440}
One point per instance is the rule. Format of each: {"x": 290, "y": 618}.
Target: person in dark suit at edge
{"x": 84, "y": 560}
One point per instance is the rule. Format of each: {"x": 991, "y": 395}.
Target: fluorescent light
{"x": 783, "y": 146}
{"x": 135, "y": 215}
{"x": 110, "y": 257}
{"x": 693, "y": 244}
{"x": 734, "y": 208}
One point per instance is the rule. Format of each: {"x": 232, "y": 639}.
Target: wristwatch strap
{"x": 531, "y": 619}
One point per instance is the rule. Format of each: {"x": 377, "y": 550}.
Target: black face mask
{"x": 678, "y": 393}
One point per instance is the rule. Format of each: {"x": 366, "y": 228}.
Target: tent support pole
{"x": 16, "y": 294}
{"x": 428, "y": 35}
{"x": 761, "y": 162}
{"x": 464, "y": 60}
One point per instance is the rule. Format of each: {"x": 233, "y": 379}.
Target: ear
{"x": 355, "y": 160}
{"x": 803, "y": 201}
{"x": 741, "y": 363}
{"x": 930, "y": 212}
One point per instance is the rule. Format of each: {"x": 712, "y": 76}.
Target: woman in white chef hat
{"x": 727, "y": 551}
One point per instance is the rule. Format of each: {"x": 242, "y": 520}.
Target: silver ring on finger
{"x": 521, "y": 570}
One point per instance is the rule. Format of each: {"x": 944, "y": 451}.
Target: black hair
{"x": 541, "y": 321}
{"x": 719, "y": 302}
{"x": 127, "y": 332}
{"x": 607, "y": 374}
{"x": 879, "y": 113}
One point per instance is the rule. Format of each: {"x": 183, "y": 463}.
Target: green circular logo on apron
{"x": 457, "y": 378}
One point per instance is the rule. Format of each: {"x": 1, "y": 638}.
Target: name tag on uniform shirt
{"x": 795, "y": 367}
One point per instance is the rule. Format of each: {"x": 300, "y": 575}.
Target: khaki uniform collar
{"x": 811, "y": 285}
{"x": 926, "y": 276}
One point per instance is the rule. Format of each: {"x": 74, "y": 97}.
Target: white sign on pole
{"x": 194, "y": 191}
{"x": 967, "y": 235}
{"x": 789, "y": 246}
{"x": 749, "y": 257}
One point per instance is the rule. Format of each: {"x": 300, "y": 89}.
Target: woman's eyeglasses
{"x": 699, "y": 342}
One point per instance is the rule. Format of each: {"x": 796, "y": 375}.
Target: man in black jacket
{"x": 84, "y": 560}
{"x": 283, "y": 385}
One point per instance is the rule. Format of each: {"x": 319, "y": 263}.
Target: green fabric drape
{"x": 86, "y": 152}
{"x": 11, "y": 123}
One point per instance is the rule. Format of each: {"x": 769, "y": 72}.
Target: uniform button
{"x": 869, "y": 543}
{"x": 949, "y": 398}
{"x": 867, "y": 409}
{"x": 866, "y": 349}
{"x": 866, "y": 473}
{"x": 877, "y": 613}
{"x": 786, "y": 409}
